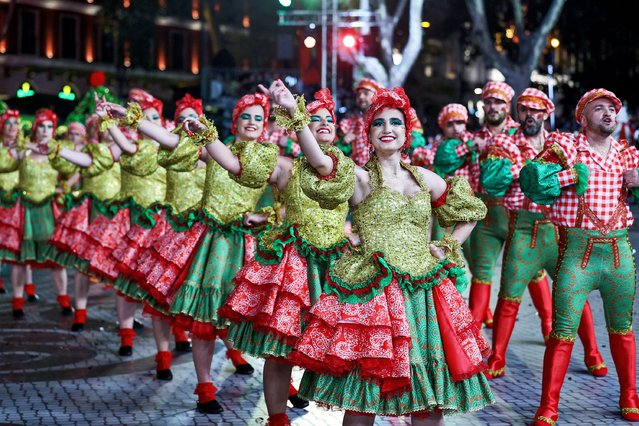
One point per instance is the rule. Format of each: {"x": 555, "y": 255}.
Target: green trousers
{"x": 486, "y": 241}
{"x": 589, "y": 260}
{"x": 531, "y": 246}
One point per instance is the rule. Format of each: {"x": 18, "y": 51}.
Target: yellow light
{"x": 310, "y": 42}
{"x": 26, "y": 86}
{"x": 554, "y": 42}
{"x": 510, "y": 32}
{"x": 425, "y": 24}
{"x": 66, "y": 89}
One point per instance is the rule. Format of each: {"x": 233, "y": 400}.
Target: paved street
{"x": 52, "y": 376}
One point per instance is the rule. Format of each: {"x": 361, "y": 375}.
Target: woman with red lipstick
{"x": 274, "y": 292}
{"x": 40, "y": 167}
{"x": 391, "y": 335}
{"x": 194, "y": 272}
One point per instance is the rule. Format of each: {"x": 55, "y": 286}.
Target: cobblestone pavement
{"x": 52, "y": 376}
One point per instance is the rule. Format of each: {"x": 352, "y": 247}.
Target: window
{"x": 107, "y": 48}
{"x": 69, "y": 37}
{"x": 28, "y": 31}
{"x": 177, "y": 51}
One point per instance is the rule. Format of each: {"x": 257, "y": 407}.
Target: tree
{"x": 517, "y": 69}
{"x": 386, "y": 71}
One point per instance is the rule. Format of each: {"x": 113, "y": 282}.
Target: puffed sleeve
{"x": 553, "y": 169}
{"x": 7, "y": 162}
{"x": 257, "y": 161}
{"x": 144, "y": 161}
{"x": 183, "y": 158}
{"x": 417, "y": 141}
{"x": 102, "y": 159}
{"x": 458, "y": 204}
{"x": 332, "y": 190}
{"x": 500, "y": 167}
{"x": 447, "y": 158}
{"x": 64, "y": 167}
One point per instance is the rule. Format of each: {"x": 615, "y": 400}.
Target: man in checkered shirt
{"x": 351, "y": 140}
{"x": 531, "y": 244}
{"x": 489, "y": 235}
{"x": 585, "y": 179}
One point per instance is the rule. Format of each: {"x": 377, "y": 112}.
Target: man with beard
{"x": 352, "y": 141}
{"x": 489, "y": 235}
{"x": 584, "y": 179}
{"x": 531, "y": 244}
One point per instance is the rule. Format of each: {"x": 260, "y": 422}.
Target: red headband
{"x": 394, "y": 99}
{"x": 10, "y": 113}
{"x": 41, "y": 116}
{"x": 187, "y": 101}
{"x": 323, "y": 99}
{"x": 248, "y": 101}
{"x": 145, "y": 100}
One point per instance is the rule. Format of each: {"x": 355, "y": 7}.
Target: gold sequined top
{"x": 102, "y": 177}
{"x": 141, "y": 176}
{"x": 224, "y": 198}
{"x": 322, "y": 227}
{"x": 37, "y": 179}
{"x": 397, "y": 225}
{"x": 64, "y": 167}
{"x": 8, "y": 170}
{"x": 184, "y": 183}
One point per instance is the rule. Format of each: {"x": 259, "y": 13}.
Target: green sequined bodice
{"x": 321, "y": 227}
{"x": 184, "y": 182}
{"x": 184, "y": 189}
{"x": 8, "y": 170}
{"x": 395, "y": 225}
{"x": 142, "y": 178}
{"x": 224, "y": 198}
{"x": 102, "y": 178}
{"x": 37, "y": 180}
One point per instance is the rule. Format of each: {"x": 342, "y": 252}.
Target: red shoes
{"x": 556, "y": 360}
{"x": 206, "y": 402}
{"x": 624, "y": 354}
{"x": 586, "y": 331}
{"x": 505, "y": 317}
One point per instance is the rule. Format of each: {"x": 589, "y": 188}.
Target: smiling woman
{"x": 398, "y": 286}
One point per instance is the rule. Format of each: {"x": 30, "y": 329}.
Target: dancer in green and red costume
{"x": 531, "y": 244}
{"x": 584, "y": 180}
{"x": 34, "y": 208}
{"x": 385, "y": 336}
{"x": 100, "y": 181}
{"x": 10, "y": 135}
{"x": 275, "y": 291}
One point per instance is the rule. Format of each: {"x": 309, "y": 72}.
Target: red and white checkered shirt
{"x": 485, "y": 134}
{"x": 518, "y": 150}
{"x": 274, "y": 137}
{"x": 603, "y": 205}
{"x": 356, "y": 125}
{"x": 423, "y": 156}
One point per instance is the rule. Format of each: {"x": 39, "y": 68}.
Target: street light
{"x": 349, "y": 41}
{"x": 310, "y": 42}
{"x": 286, "y": 3}
{"x": 554, "y": 42}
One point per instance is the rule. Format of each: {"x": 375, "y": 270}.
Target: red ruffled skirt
{"x": 11, "y": 227}
{"x": 71, "y": 229}
{"x": 273, "y": 297}
{"x": 374, "y": 337}
{"x": 102, "y": 237}
{"x": 161, "y": 264}
{"x": 133, "y": 243}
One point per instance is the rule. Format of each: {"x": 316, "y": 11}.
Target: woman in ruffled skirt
{"x": 391, "y": 334}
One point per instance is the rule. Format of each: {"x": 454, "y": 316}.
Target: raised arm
{"x": 108, "y": 123}
{"x": 80, "y": 159}
{"x": 214, "y": 147}
{"x": 311, "y": 149}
